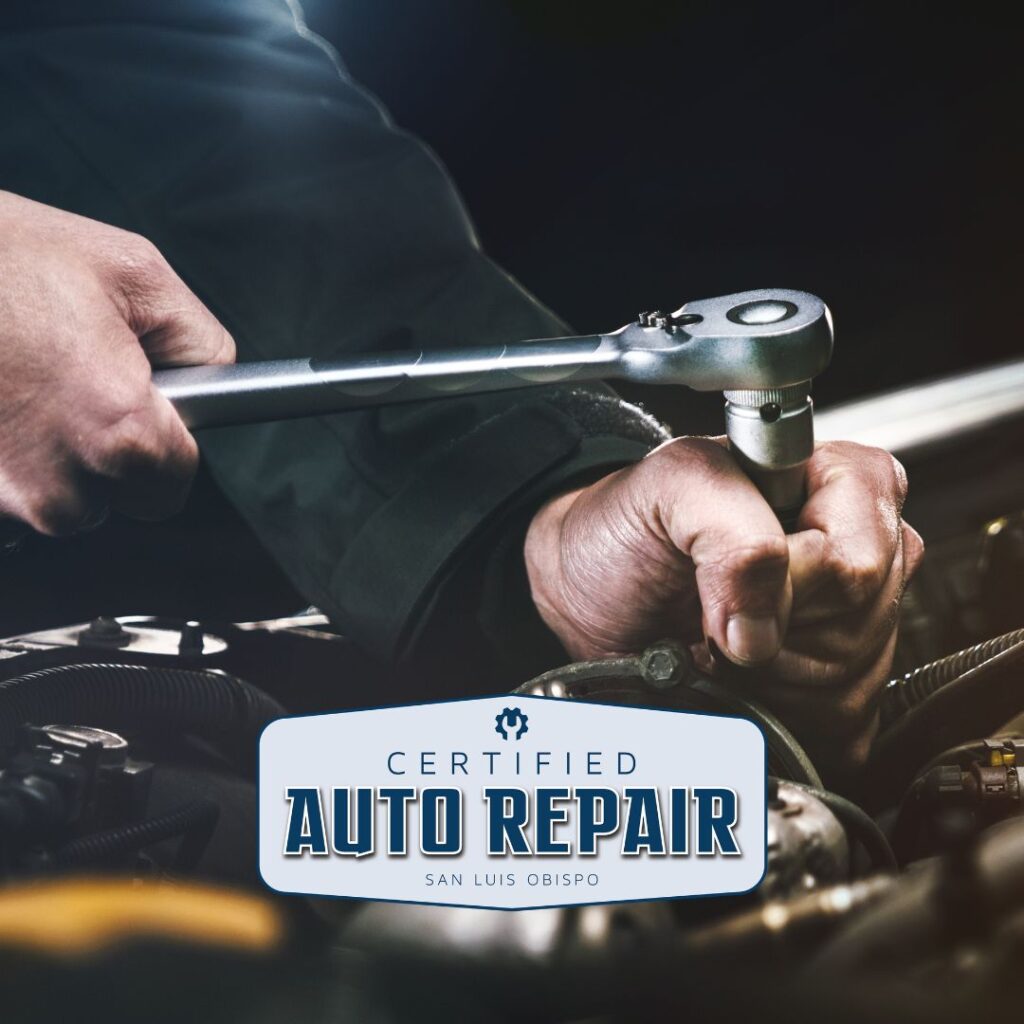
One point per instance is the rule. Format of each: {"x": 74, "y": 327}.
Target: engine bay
{"x": 127, "y": 753}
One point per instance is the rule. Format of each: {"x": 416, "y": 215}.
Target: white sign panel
{"x": 512, "y": 802}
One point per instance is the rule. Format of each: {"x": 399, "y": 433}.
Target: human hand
{"x": 85, "y": 310}
{"x": 682, "y": 545}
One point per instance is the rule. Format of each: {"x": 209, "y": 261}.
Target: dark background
{"x": 626, "y": 156}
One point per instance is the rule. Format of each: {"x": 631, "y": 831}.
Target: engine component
{"x": 1000, "y": 566}
{"x": 807, "y": 846}
{"x": 135, "y": 633}
{"x": 789, "y": 926}
{"x": 208, "y": 703}
{"x": 194, "y": 822}
{"x": 664, "y": 674}
{"x": 858, "y": 824}
{"x": 941, "y": 704}
{"x": 973, "y": 786}
{"x": 932, "y": 927}
{"x": 65, "y": 781}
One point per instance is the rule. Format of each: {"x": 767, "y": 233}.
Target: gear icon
{"x": 511, "y": 720}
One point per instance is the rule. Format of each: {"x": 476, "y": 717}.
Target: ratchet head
{"x": 768, "y": 338}
{"x": 761, "y": 348}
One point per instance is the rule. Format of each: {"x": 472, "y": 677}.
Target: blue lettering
{"x": 341, "y": 837}
{"x": 396, "y": 817}
{"x": 680, "y": 824}
{"x": 548, "y": 816}
{"x": 507, "y": 814}
{"x": 716, "y": 816}
{"x": 305, "y": 822}
{"x": 590, "y": 826}
{"x": 435, "y": 840}
{"x": 643, "y": 823}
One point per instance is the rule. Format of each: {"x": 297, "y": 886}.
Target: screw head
{"x": 663, "y": 665}
{"x": 191, "y": 639}
{"x": 106, "y": 631}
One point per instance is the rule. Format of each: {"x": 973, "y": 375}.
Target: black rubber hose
{"x": 919, "y": 922}
{"x": 859, "y": 824}
{"x": 194, "y": 821}
{"x": 165, "y": 701}
{"x": 946, "y": 711}
{"x": 903, "y": 695}
{"x": 786, "y": 757}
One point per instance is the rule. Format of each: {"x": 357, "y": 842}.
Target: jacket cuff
{"x": 465, "y": 515}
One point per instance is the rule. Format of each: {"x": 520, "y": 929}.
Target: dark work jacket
{"x": 231, "y": 137}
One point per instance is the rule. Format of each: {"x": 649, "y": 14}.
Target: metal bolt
{"x": 105, "y": 631}
{"x": 663, "y": 665}
{"x": 191, "y": 640}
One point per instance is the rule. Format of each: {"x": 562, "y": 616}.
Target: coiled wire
{"x": 165, "y": 701}
{"x": 903, "y": 695}
{"x": 194, "y": 821}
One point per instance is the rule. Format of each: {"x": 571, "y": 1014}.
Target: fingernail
{"x": 752, "y": 639}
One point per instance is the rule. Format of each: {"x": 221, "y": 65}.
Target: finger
{"x": 64, "y": 500}
{"x": 850, "y": 529}
{"x": 813, "y": 614}
{"x": 172, "y": 325}
{"x": 913, "y": 550}
{"x": 717, "y": 517}
{"x": 156, "y": 463}
{"x": 834, "y": 724}
{"x": 842, "y": 647}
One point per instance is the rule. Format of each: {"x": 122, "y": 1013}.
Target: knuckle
{"x": 695, "y": 454}
{"x": 832, "y": 456}
{"x": 224, "y": 350}
{"x": 890, "y": 478}
{"x": 140, "y": 256}
{"x": 881, "y": 467}
{"x": 808, "y": 669}
{"x": 914, "y": 548}
{"x": 859, "y": 577}
{"x": 768, "y": 552}
{"x": 57, "y": 513}
{"x": 135, "y": 442}
{"x": 849, "y": 709}
{"x": 132, "y": 441}
{"x": 899, "y": 478}
{"x": 759, "y": 560}
{"x": 140, "y": 276}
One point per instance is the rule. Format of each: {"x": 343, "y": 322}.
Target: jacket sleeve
{"x": 232, "y": 137}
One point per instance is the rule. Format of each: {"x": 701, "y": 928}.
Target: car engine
{"x": 126, "y": 752}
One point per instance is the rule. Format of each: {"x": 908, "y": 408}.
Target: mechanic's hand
{"x": 683, "y": 545}
{"x": 85, "y": 309}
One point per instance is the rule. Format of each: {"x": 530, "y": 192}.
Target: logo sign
{"x": 512, "y": 802}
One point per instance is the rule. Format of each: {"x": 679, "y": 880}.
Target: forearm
{"x": 311, "y": 226}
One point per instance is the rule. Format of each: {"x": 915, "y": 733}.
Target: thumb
{"x": 715, "y": 515}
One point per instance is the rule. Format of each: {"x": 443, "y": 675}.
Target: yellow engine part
{"x": 88, "y": 915}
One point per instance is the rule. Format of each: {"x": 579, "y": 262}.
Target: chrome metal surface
{"x": 142, "y": 635}
{"x": 771, "y": 433}
{"x": 930, "y": 415}
{"x": 700, "y": 346}
{"x": 756, "y": 341}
